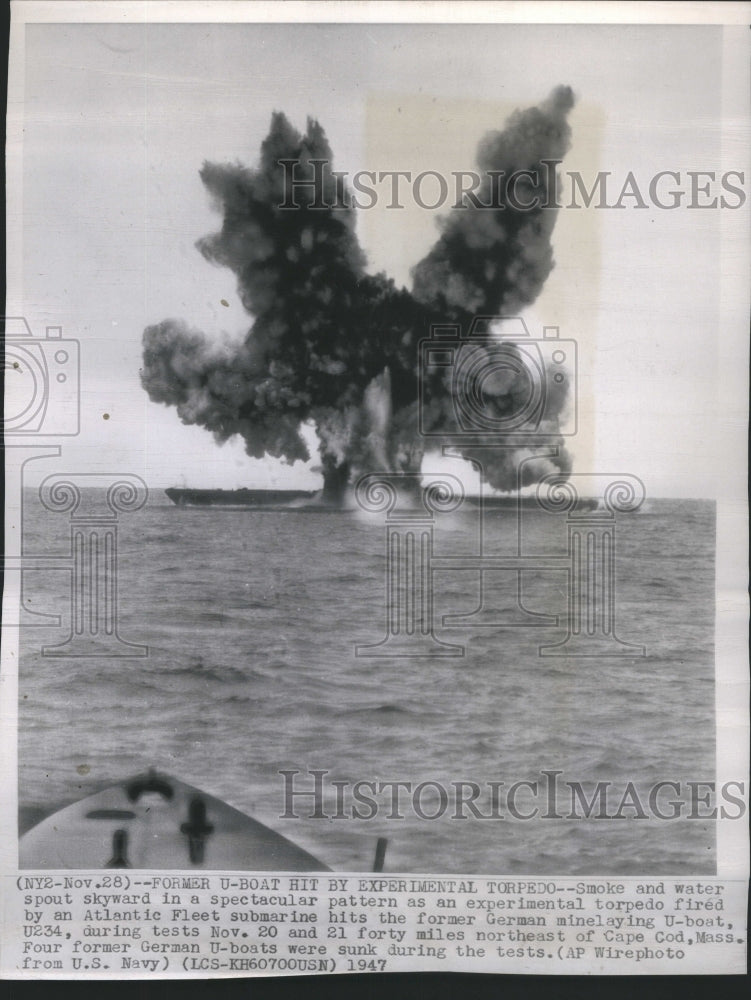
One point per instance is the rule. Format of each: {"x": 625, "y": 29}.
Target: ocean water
{"x": 251, "y": 620}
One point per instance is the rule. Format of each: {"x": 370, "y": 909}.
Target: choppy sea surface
{"x": 251, "y": 618}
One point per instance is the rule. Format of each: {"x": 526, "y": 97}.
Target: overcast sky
{"x": 118, "y": 120}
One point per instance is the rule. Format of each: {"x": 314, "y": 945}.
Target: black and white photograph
{"x": 375, "y": 454}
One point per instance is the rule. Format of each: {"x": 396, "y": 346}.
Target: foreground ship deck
{"x": 154, "y": 821}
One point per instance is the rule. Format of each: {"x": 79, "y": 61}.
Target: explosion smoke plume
{"x": 333, "y": 345}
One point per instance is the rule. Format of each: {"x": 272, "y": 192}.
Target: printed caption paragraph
{"x": 123, "y": 925}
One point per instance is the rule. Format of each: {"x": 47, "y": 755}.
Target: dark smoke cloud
{"x": 495, "y": 260}
{"x": 331, "y": 344}
{"x": 223, "y": 388}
